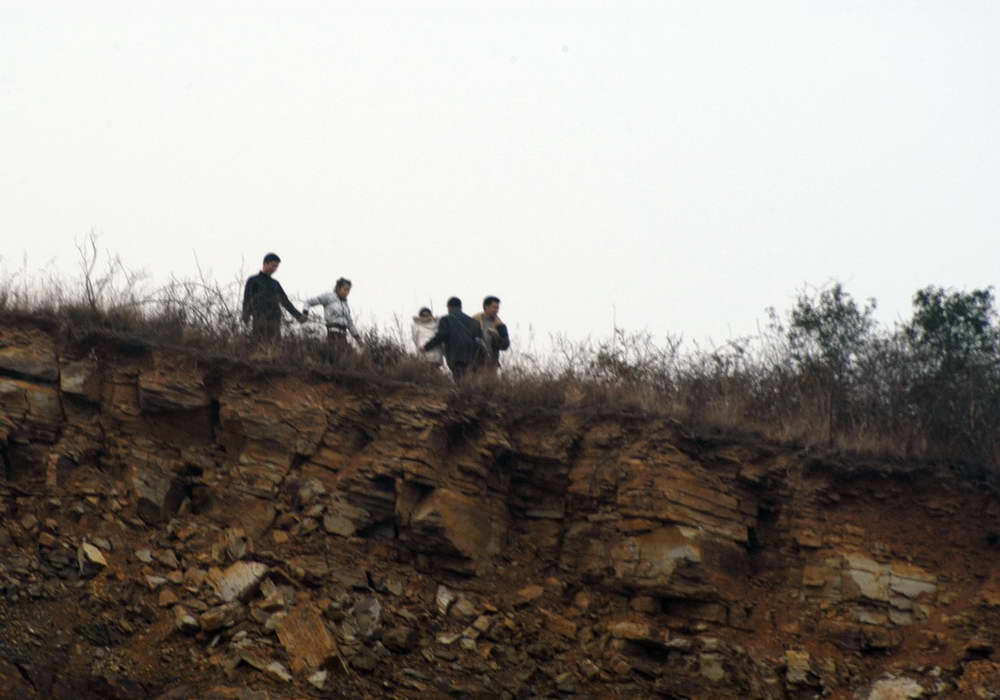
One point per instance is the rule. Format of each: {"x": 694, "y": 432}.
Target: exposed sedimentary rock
{"x": 267, "y": 528}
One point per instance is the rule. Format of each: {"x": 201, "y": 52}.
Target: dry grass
{"x": 749, "y": 384}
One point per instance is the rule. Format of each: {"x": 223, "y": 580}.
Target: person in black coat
{"x": 263, "y": 298}
{"x": 462, "y": 337}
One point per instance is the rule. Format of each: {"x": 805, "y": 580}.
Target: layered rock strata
{"x": 299, "y": 531}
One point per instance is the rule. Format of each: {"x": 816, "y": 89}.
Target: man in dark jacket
{"x": 494, "y": 332}
{"x": 263, "y": 298}
{"x": 462, "y": 337}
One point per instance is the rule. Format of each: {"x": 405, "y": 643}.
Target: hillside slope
{"x": 180, "y": 526}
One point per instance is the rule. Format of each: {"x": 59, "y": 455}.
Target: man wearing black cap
{"x": 462, "y": 337}
{"x": 263, "y": 298}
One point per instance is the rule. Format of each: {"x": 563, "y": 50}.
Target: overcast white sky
{"x": 678, "y": 168}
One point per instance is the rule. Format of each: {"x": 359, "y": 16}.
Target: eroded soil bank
{"x": 175, "y": 526}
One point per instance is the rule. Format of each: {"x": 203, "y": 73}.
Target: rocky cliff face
{"x": 177, "y": 526}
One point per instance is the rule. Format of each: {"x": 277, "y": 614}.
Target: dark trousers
{"x": 266, "y": 330}
{"x": 337, "y": 347}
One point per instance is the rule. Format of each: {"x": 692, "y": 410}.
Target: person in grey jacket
{"x": 337, "y": 316}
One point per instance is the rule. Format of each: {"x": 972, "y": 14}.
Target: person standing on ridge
{"x": 337, "y": 315}
{"x": 494, "y": 332}
{"x": 462, "y": 337}
{"x": 263, "y": 299}
{"x": 423, "y": 329}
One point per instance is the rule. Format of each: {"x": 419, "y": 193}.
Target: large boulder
{"x": 459, "y": 527}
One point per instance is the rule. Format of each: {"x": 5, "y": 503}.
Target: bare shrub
{"x": 823, "y": 373}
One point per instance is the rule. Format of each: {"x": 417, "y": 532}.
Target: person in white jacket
{"x": 423, "y": 329}
{"x": 337, "y": 315}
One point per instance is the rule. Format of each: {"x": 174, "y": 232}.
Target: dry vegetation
{"x": 824, "y": 372}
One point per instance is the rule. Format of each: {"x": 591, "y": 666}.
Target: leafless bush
{"x": 825, "y": 373}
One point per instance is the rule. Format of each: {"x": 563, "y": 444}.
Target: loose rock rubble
{"x": 174, "y": 526}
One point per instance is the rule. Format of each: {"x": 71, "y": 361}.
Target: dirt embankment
{"x": 181, "y": 527}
